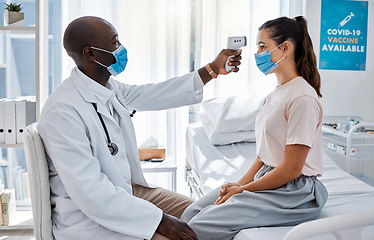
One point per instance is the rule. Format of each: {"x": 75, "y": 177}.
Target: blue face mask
{"x": 264, "y": 63}
{"x": 120, "y": 54}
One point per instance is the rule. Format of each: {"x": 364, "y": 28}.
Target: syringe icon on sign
{"x": 346, "y": 19}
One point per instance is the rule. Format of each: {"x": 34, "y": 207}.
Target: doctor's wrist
{"x": 211, "y": 72}
{"x": 214, "y": 68}
{"x": 204, "y": 75}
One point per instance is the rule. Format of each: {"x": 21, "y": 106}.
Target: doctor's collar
{"x": 101, "y": 92}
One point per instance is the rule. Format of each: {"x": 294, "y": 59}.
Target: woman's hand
{"x": 225, "y": 186}
{"x": 228, "y": 190}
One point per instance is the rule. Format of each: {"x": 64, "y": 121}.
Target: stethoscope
{"x": 113, "y": 148}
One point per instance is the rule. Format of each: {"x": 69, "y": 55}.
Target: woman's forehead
{"x": 263, "y": 37}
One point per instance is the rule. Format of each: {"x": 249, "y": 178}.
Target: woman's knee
{"x": 195, "y": 208}
{"x": 189, "y": 213}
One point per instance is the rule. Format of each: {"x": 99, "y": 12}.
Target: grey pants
{"x": 298, "y": 201}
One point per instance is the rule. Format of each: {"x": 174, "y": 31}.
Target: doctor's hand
{"x": 218, "y": 65}
{"x": 173, "y": 228}
{"x": 228, "y": 190}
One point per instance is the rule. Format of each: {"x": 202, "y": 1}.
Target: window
{"x": 212, "y": 25}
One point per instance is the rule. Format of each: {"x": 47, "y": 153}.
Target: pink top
{"x": 291, "y": 114}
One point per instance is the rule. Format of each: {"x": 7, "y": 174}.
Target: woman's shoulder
{"x": 300, "y": 87}
{"x": 301, "y": 92}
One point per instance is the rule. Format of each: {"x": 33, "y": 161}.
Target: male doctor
{"x": 97, "y": 186}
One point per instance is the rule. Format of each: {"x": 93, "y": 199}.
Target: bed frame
{"x": 194, "y": 183}
{"x": 342, "y": 227}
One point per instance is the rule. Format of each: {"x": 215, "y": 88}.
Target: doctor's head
{"x": 90, "y": 42}
{"x": 288, "y": 44}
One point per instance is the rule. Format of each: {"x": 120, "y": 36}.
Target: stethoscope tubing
{"x": 113, "y": 148}
{"x": 102, "y": 123}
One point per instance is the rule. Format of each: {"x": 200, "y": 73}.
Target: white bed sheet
{"x": 218, "y": 164}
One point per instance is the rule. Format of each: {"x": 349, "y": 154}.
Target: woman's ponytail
{"x": 296, "y": 30}
{"x": 306, "y": 62}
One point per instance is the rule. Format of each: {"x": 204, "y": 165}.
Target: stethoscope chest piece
{"x": 113, "y": 148}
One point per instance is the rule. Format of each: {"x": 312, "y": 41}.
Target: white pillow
{"x": 224, "y": 138}
{"x": 232, "y": 114}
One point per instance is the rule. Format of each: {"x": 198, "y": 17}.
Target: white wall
{"x": 345, "y": 92}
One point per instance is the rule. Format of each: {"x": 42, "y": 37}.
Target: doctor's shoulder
{"x": 64, "y": 97}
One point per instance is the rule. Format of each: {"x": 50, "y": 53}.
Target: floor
{"x": 24, "y": 234}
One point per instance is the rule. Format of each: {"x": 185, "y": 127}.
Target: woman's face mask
{"x": 264, "y": 63}
{"x": 120, "y": 54}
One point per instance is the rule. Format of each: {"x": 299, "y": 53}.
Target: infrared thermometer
{"x": 234, "y": 43}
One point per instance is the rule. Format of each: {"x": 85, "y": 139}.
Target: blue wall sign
{"x": 343, "y": 40}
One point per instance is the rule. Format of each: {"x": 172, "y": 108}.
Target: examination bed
{"x": 209, "y": 166}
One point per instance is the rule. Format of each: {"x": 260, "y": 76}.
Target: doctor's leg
{"x": 169, "y": 202}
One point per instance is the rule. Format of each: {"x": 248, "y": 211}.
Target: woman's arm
{"x": 247, "y": 178}
{"x": 290, "y": 169}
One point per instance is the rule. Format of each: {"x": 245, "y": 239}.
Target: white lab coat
{"x": 91, "y": 192}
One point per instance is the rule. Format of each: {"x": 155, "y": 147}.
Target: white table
{"x": 167, "y": 166}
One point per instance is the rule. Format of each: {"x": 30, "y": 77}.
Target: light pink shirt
{"x": 291, "y": 114}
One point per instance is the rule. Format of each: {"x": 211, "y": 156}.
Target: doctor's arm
{"x": 178, "y": 91}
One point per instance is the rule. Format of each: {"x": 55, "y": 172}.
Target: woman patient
{"x": 281, "y": 187}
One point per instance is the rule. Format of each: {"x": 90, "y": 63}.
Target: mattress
{"x": 211, "y": 166}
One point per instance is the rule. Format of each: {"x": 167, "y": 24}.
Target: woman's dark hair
{"x": 296, "y": 31}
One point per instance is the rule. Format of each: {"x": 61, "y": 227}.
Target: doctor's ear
{"x": 88, "y": 53}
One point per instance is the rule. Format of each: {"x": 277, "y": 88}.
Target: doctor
{"x": 97, "y": 186}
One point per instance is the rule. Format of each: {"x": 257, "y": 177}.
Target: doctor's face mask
{"x": 120, "y": 54}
